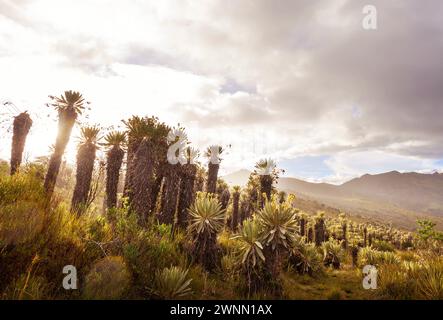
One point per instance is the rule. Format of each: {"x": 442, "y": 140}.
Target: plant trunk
{"x": 365, "y": 237}
{"x": 199, "y": 183}
{"x": 302, "y": 227}
{"x": 235, "y": 211}
{"x": 21, "y": 126}
{"x": 245, "y": 211}
{"x": 206, "y": 251}
{"x": 142, "y": 182}
{"x": 273, "y": 260}
{"x": 265, "y": 189}
{"x": 310, "y": 235}
{"x": 345, "y": 239}
{"x": 156, "y": 189}
{"x": 114, "y": 164}
{"x": 160, "y": 167}
{"x": 170, "y": 194}
{"x": 65, "y": 124}
{"x": 319, "y": 232}
{"x": 187, "y": 195}
{"x": 133, "y": 146}
{"x": 211, "y": 185}
{"x": 354, "y": 255}
{"x": 85, "y": 167}
{"x": 224, "y": 198}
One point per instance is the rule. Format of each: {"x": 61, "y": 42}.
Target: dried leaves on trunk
{"x": 21, "y": 126}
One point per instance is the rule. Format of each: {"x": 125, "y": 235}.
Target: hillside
{"x": 400, "y": 198}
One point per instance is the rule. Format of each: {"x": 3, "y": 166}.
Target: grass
{"x": 333, "y": 284}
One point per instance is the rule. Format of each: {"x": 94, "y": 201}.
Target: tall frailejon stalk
{"x": 310, "y": 236}
{"x": 136, "y": 130}
{"x": 141, "y": 185}
{"x": 21, "y": 126}
{"x": 171, "y": 188}
{"x": 244, "y": 209}
{"x": 85, "y": 166}
{"x": 302, "y": 222}
{"x": 200, "y": 179}
{"x": 319, "y": 229}
{"x": 188, "y": 175}
{"x": 213, "y": 154}
{"x": 160, "y": 167}
{"x": 267, "y": 172}
{"x": 69, "y": 106}
{"x": 365, "y": 236}
{"x": 141, "y": 172}
{"x": 344, "y": 227}
{"x": 115, "y": 142}
{"x": 235, "y": 221}
{"x": 224, "y": 195}
{"x": 172, "y": 177}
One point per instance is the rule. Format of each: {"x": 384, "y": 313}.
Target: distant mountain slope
{"x": 400, "y": 198}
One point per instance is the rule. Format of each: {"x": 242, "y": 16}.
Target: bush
{"x": 369, "y": 256}
{"x": 109, "y": 278}
{"x": 381, "y": 245}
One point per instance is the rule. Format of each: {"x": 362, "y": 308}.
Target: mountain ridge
{"x": 400, "y": 198}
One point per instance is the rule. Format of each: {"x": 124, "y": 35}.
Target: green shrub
{"x": 381, "y": 245}
{"x": 370, "y": 256}
{"x": 21, "y": 187}
{"x": 109, "y": 278}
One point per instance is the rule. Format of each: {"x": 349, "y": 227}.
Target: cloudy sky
{"x": 299, "y": 81}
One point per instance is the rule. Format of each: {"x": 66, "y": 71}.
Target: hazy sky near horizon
{"x": 299, "y": 81}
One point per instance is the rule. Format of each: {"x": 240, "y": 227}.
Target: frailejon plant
{"x": 305, "y": 257}
{"x": 235, "y": 219}
{"x": 85, "y": 165}
{"x": 69, "y": 106}
{"x": 268, "y": 174}
{"x": 207, "y": 219}
{"x": 115, "y": 142}
{"x": 319, "y": 229}
{"x": 172, "y": 177}
{"x": 333, "y": 253}
{"x": 213, "y": 154}
{"x": 279, "y": 227}
{"x": 172, "y": 283}
{"x": 251, "y": 253}
{"x": 188, "y": 175}
{"x": 21, "y": 126}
